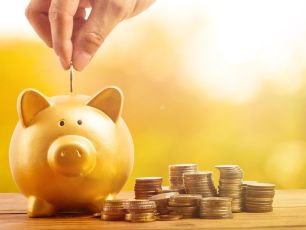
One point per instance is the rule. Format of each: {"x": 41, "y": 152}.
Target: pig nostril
{"x": 62, "y": 123}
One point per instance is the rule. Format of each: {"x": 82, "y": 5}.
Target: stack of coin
{"x": 166, "y": 189}
{"x": 186, "y": 205}
{"x": 199, "y": 183}
{"x": 230, "y": 185}
{"x": 176, "y": 174}
{"x": 146, "y": 187}
{"x": 114, "y": 210}
{"x": 259, "y": 197}
{"x": 141, "y": 211}
{"x": 216, "y": 208}
{"x": 161, "y": 201}
{"x": 245, "y": 184}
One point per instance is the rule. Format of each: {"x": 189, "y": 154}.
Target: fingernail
{"x": 81, "y": 60}
{"x": 63, "y": 63}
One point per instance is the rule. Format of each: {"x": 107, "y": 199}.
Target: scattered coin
{"x": 161, "y": 201}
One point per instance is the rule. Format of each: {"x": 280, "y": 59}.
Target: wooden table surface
{"x": 289, "y": 212}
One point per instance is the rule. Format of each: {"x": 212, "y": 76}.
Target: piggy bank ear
{"x": 30, "y": 103}
{"x": 109, "y": 101}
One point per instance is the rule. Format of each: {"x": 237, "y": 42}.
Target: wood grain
{"x": 289, "y": 212}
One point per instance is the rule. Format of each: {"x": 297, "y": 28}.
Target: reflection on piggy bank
{"x": 70, "y": 153}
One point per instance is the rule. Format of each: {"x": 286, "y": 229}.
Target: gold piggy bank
{"x": 70, "y": 153}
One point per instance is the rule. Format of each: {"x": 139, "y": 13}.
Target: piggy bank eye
{"x": 61, "y": 123}
{"x": 80, "y": 122}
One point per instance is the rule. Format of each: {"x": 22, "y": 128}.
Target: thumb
{"x": 103, "y": 18}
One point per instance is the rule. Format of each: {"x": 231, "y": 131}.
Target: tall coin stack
{"x": 161, "y": 201}
{"x": 186, "y": 205}
{"x": 200, "y": 182}
{"x": 114, "y": 210}
{"x": 146, "y": 187}
{"x": 176, "y": 174}
{"x": 216, "y": 208}
{"x": 230, "y": 185}
{"x": 259, "y": 197}
{"x": 141, "y": 211}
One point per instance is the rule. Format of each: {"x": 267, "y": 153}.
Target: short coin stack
{"x": 230, "y": 185}
{"x": 161, "y": 201}
{"x": 243, "y": 191}
{"x": 186, "y": 205}
{"x": 200, "y": 182}
{"x": 259, "y": 197}
{"x": 176, "y": 174}
{"x": 141, "y": 211}
{"x": 216, "y": 208}
{"x": 146, "y": 187}
{"x": 114, "y": 210}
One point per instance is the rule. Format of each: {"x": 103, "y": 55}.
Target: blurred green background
{"x": 207, "y": 82}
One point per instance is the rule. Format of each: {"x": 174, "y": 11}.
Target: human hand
{"x": 61, "y": 24}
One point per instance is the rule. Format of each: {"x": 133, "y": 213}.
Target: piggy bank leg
{"x": 39, "y": 208}
{"x": 95, "y": 206}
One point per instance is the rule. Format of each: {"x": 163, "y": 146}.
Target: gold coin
{"x": 169, "y": 217}
{"x": 261, "y": 186}
{"x": 185, "y": 197}
{"x": 226, "y": 166}
{"x": 140, "y": 217}
{"x": 148, "y": 179}
{"x": 153, "y": 210}
{"x": 163, "y": 196}
{"x": 198, "y": 174}
{"x": 97, "y": 215}
{"x": 139, "y": 202}
{"x": 112, "y": 217}
{"x": 182, "y": 166}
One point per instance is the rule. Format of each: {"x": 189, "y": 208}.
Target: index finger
{"x": 61, "y": 14}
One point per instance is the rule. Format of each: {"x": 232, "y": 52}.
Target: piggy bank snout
{"x": 72, "y": 156}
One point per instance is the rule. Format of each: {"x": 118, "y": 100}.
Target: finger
{"x": 84, "y": 4}
{"x": 140, "y": 6}
{"x": 80, "y": 14}
{"x": 37, "y": 15}
{"x": 78, "y": 22}
{"x": 103, "y": 18}
{"x": 61, "y": 13}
